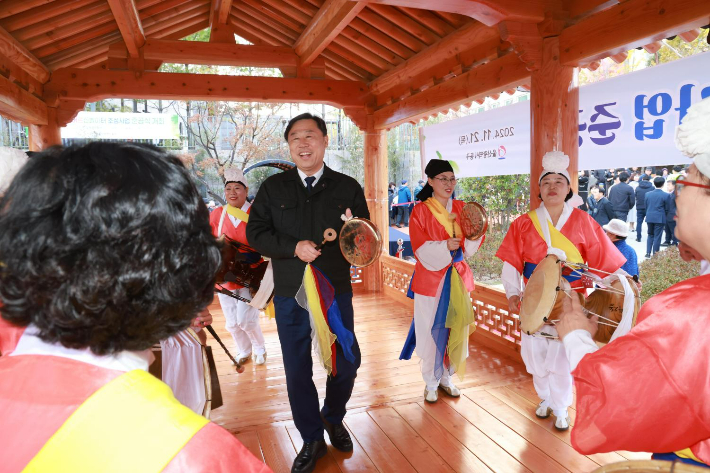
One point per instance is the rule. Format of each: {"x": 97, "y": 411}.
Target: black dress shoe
{"x": 339, "y": 436}
{"x": 306, "y": 459}
{"x": 647, "y": 256}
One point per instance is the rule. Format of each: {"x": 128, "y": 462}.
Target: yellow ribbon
{"x": 133, "y": 423}
{"x": 557, "y": 239}
{"x": 688, "y": 453}
{"x": 323, "y": 336}
{"x": 237, "y": 213}
{"x": 442, "y": 216}
{"x": 458, "y": 319}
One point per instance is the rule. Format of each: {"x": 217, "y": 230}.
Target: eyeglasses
{"x": 446, "y": 180}
{"x": 682, "y": 181}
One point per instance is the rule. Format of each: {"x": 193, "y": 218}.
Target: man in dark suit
{"x": 656, "y": 210}
{"x": 670, "y": 216}
{"x": 622, "y": 197}
{"x": 643, "y": 188}
{"x": 599, "y": 206}
{"x": 289, "y": 215}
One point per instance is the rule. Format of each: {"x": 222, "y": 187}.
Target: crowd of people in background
{"x": 401, "y": 202}
{"x": 632, "y": 196}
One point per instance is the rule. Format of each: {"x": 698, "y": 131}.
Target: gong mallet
{"x": 239, "y": 368}
{"x": 328, "y": 235}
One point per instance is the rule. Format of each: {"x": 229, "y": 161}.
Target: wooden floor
{"x": 491, "y": 427}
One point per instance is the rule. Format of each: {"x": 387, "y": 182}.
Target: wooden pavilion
{"x": 384, "y": 62}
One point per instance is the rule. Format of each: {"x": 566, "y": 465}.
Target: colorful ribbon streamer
{"x": 317, "y": 296}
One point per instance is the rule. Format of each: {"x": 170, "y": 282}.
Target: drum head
{"x": 540, "y": 294}
{"x": 360, "y": 242}
{"x": 473, "y": 220}
{"x": 610, "y": 305}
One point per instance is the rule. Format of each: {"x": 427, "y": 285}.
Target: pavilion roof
{"x": 389, "y": 59}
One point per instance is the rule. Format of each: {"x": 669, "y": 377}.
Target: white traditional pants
{"x": 243, "y": 323}
{"x": 546, "y": 360}
{"x": 424, "y": 312}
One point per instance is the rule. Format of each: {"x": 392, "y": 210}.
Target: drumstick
{"x": 328, "y": 235}
{"x": 452, "y": 219}
{"x": 239, "y": 368}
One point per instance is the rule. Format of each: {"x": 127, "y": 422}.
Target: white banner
{"x": 123, "y": 126}
{"x": 491, "y": 143}
{"x": 625, "y": 121}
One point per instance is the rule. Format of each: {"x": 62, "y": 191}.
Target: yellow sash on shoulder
{"x": 442, "y": 216}
{"x": 557, "y": 239}
{"x": 133, "y": 423}
{"x": 237, "y": 213}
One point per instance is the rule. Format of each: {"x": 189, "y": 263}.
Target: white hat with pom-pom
{"x": 11, "y": 161}
{"x": 692, "y": 137}
{"x": 555, "y": 162}
{"x": 234, "y": 174}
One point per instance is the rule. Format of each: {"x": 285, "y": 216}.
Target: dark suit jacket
{"x": 643, "y": 188}
{"x": 284, "y": 214}
{"x": 657, "y": 206}
{"x": 600, "y": 210}
{"x": 622, "y": 197}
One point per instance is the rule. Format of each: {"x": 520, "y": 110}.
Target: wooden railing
{"x": 495, "y": 326}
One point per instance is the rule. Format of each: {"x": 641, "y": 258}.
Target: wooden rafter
{"x": 278, "y": 37}
{"x": 129, "y": 23}
{"x": 242, "y": 9}
{"x": 92, "y": 85}
{"x": 628, "y": 25}
{"x": 488, "y": 12}
{"x": 428, "y": 19}
{"x": 82, "y": 52}
{"x": 69, "y": 29}
{"x": 577, "y": 8}
{"x": 465, "y": 37}
{"x": 425, "y": 35}
{"x": 327, "y": 23}
{"x": 392, "y": 30}
{"x": 18, "y": 104}
{"x": 500, "y": 74}
{"x": 359, "y": 28}
{"x": 12, "y": 49}
{"x": 13, "y": 7}
{"x": 276, "y": 15}
{"x": 79, "y": 41}
{"x": 51, "y": 16}
{"x": 219, "y": 13}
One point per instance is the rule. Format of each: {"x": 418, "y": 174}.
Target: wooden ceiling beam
{"x": 49, "y": 14}
{"x": 627, "y": 25}
{"x": 74, "y": 26}
{"x": 351, "y": 34}
{"x": 454, "y": 19}
{"x": 488, "y": 12}
{"x": 428, "y": 19}
{"x": 290, "y": 11}
{"x": 92, "y": 85}
{"x": 81, "y": 52}
{"x": 219, "y": 13}
{"x": 359, "y": 28}
{"x": 501, "y": 74}
{"x": 285, "y": 36}
{"x": 578, "y": 8}
{"x": 464, "y": 38}
{"x": 168, "y": 8}
{"x": 276, "y": 15}
{"x": 373, "y": 70}
{"x": 243, "y": 9}
{"x": 18, "y": 104}
{"x": 78, "y": 40}
{"x": 187, "y": 31}
{"x": 14, "y": 7}
{"x": 327, "y": 23}
{"x": 24, "y": 59}
{"x": 392, "y": 30}
{"x": 129, "y": 23}
{"x": 347, "y": 65}
{"x": 425, "y": 35}
{"x": 16, "y": 74}
{"x": 364, "y": 53}
{"x": 526, "y": 41}
{"x": 178, "y": 23}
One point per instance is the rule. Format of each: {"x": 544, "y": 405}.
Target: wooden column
{"x": 376, "y": 195}
{"x": 44, "y": 136}
{"x": 554, "y": 114}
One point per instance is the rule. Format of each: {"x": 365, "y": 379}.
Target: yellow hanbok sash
{"x": 237, "y": 213}
{"x": 557, "y": 239}
{"x": 133, "y": 423}
{"x": 442, "y": 216}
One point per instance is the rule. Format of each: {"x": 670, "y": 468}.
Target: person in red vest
{"x": 106, "y": 249}
{"x": 647, "y": 391}
{"x": 231, "y": 220}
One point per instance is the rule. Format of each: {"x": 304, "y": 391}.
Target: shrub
{"x": 663, "y": 270}
{"x": 485, "y": 266}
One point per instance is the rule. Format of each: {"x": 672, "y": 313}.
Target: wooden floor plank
{"x": 458, "y": 456}
{"x": 507, "y": 438}
{"x": 383, "y": 453}
{"x": 251, "y": 441}
{"x": 540, "y": 436}
{"x": 468, "y": 433}
{"x": 418, "y": 452}
{"x": 278, "y": 449}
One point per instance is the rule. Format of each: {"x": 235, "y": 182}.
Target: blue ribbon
{"x": 343, "y": 336}
{"x": 438, "y": 328}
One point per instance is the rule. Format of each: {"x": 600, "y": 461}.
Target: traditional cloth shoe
{"x": 241, "y": 359}
{"x": 562, "y": 423}
{"x": 543, "y": 410}
{"x": 430, "y": 396}
{"x": 260, "y": 359}
{"x": 452, "y": 390}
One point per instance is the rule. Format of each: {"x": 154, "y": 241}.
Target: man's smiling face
{"x": 307, "y": 145}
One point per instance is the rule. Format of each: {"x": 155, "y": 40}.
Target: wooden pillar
{"x": 44, "y": 136}
{"x": 554, "y": 114}
{"x": 376, "y": 196}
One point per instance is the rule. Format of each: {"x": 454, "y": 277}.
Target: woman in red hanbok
{"x": 648, "y": 390}
{"x": 439, "y": 247}
{"x": 556, "y": 227}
